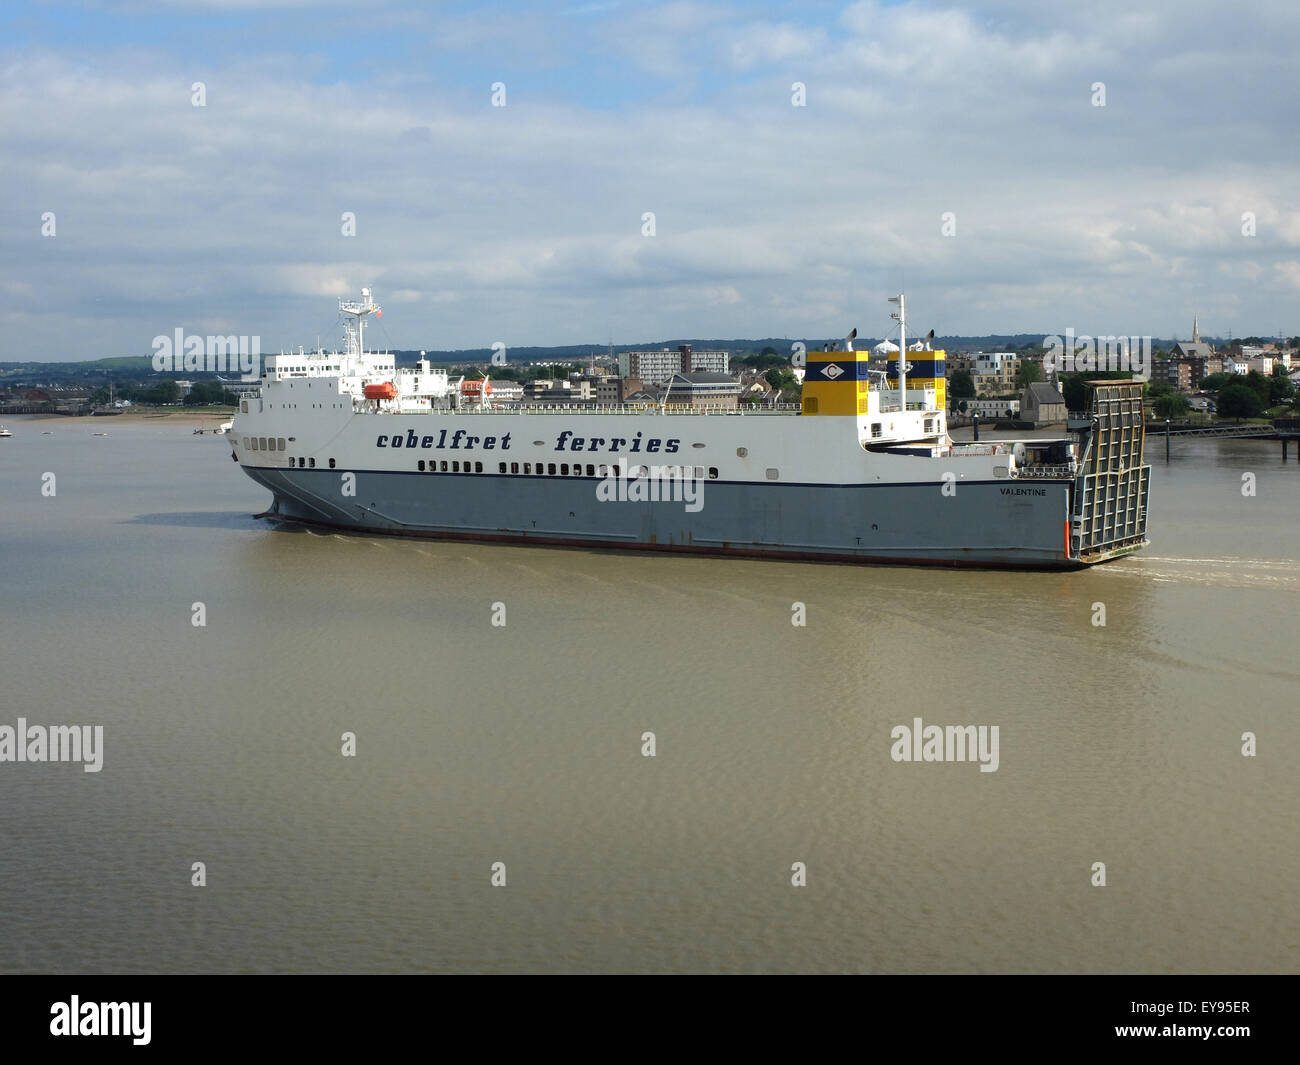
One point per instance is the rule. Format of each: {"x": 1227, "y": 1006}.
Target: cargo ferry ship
{"x": 864, "y": 471}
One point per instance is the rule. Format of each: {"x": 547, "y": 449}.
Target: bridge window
{"x": 591, "y": 470}
{"x": 455, "y": 467}
{"x": 528, "y": 467}
{"x": 875, "y": 430}
{"x": 331, "y": 464}
{"x": 713, "y": 473}
{"x": 514, "y": 467}
{"x": 443, "y": 466}
{"x": 420, "y": 465}
{"x": 478, "y": 467}
{"x": 551, "y": 469}
{"x": 501, "y": 467}
{"x": 312, "y": 462}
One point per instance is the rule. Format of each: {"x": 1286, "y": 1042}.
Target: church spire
{"x": 1196, "y": 332}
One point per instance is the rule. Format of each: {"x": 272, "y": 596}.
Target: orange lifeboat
{"x": 387, "y": 390}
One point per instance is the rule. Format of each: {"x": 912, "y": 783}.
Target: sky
{"x": 1014, "y": 167}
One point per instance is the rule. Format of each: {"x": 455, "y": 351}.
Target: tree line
{"x": 167, "y": 392}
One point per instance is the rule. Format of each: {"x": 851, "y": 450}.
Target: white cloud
{"x": 523, "y": 223}
{"x": 765, "y": 42}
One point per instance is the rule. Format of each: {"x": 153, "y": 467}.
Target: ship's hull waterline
{"x": 1024, "y": 524}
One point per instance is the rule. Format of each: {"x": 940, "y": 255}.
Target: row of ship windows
{"x": 561, "y": 469}
{"x": 531, "y": 469}
{"x": 539, "y": 469}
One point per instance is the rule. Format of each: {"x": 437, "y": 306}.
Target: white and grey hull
{"x": 1021, "y": 523}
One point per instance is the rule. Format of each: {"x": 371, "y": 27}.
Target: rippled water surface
{"x": 522, "y": 744}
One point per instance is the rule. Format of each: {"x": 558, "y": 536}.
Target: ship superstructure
{"x": 864, "y": 471}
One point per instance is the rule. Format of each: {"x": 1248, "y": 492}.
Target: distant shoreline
{"x": 132, "y": 417}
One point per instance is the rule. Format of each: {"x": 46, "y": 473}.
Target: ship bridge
{"x": 904, "y": 403}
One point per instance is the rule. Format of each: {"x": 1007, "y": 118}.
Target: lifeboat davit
{"x": 387, "y": 390}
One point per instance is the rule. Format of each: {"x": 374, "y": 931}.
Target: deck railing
{"x": 784, "y": 409}
{"x": 1057, "y": 472}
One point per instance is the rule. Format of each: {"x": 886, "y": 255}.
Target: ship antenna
{"x": 901, "y": 316}
{"x": 354, "y": 327}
